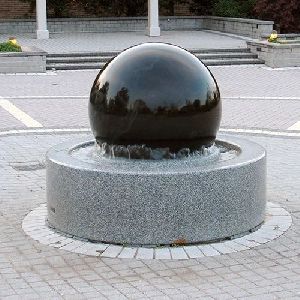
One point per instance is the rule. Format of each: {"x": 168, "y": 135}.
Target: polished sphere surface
{"x": 157, "y": 95}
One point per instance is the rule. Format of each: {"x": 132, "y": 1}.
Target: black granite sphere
{"x": 156, "y": 95}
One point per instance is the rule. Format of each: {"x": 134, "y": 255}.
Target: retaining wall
{"x": 276, "y": 55}
{"x": 30, "y": 60}
{"x": 245, "y": 27}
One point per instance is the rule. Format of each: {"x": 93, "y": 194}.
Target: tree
{"x": 284, "y": 13}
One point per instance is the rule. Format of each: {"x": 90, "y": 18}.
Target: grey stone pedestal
{"x": 139, "y": 202}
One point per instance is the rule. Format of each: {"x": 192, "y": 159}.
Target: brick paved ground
{"x": 78, "y": 42}
{"x": 252, "y": 83}
{"x": 29, "y": 270}
{"x": 244, "y": 81}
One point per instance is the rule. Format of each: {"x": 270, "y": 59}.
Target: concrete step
{"x": 220, "y": 50}
{"x": 96, "y": 60}
{"x": 82, "y": 59}
{"x": 81, "y": 54}
{"x": 76, "y": 66}
{"x": 99, "y": 59}
{"x": 114, "y": 53}
{"x": 228, "y": 55}
{"x": 228, "y": 62}
{"x": 208, "y": 62}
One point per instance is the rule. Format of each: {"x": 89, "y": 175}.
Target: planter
{"x": 30, "y": 60}
{"x": 277, "y": 55}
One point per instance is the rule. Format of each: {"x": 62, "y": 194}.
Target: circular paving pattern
{"x": 277, "y": 221}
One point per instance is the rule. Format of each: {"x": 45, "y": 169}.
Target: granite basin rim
{"x": 249, "y": 152}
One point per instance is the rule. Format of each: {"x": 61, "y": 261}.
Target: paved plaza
{"x": 38, "y": 111}
{"x": 116, "y": 41}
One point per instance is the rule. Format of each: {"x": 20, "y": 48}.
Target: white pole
{"x": 41, "y": 20}
{"x": 153, "y": 18}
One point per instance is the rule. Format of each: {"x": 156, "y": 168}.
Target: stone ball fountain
{"x": 156, "y": 95}
{"x": 155, "y": 173}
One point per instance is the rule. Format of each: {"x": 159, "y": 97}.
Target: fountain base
{"x": 150, "y": 203}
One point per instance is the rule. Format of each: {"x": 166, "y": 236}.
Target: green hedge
{"x": 234, "y": 8}
{"x": 9, "y": 47}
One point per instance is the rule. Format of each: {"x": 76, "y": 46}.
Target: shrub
{"x": 223, "y": 8}
{"x": 226, "y": 8}
{"x": 9, "y": 47}
{"x": 234, "y": 8}
{"x": 202, "y": 7}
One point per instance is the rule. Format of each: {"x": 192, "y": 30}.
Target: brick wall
{"x": 10, "y": 9}
{"x": 182, "y": 10}
{"x": 75, "y": 11}
{"x": 14, "y": 9}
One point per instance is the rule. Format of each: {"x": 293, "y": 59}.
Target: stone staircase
{"x": 96, "y": 60}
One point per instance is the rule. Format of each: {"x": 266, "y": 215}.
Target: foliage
{"x": 57, "y": 8}
{"x": 202, "y": 7}
{"x": 116, "y": 8}
{"x": 126, "y": 7}
{"x": 169, "y": 5}
{"x": 226, "y": 8}
{"x": 9, "y": 47}
{"x": 223, "y": 8}
{"x": 284, "y": 13}
{"x": 234, "y": 8}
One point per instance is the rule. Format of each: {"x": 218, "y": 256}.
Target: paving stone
{"x": 144, "y": 253}
{"x": 178, "y": 253}
{"x": 208, "y": 250}
{"x": 112, "y": 251}
{"x": 193, "y": 252}
{"x": 128, "y": 252}
{"x": 162, "y": 253}
{"x": 222, "y": 248}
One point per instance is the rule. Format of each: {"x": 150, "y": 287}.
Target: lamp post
{"x": 153, "y": 18}
{"x": 41, "y": 20}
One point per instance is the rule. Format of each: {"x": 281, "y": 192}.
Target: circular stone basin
{"x": 146, "y": 202}
{"x": 151, "y": 96}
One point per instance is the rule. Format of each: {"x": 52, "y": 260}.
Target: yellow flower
{"x": 273, "y": 37}
{"x": 13, "y": 40}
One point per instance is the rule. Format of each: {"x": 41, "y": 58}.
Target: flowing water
{"x": 91, "y": 152}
